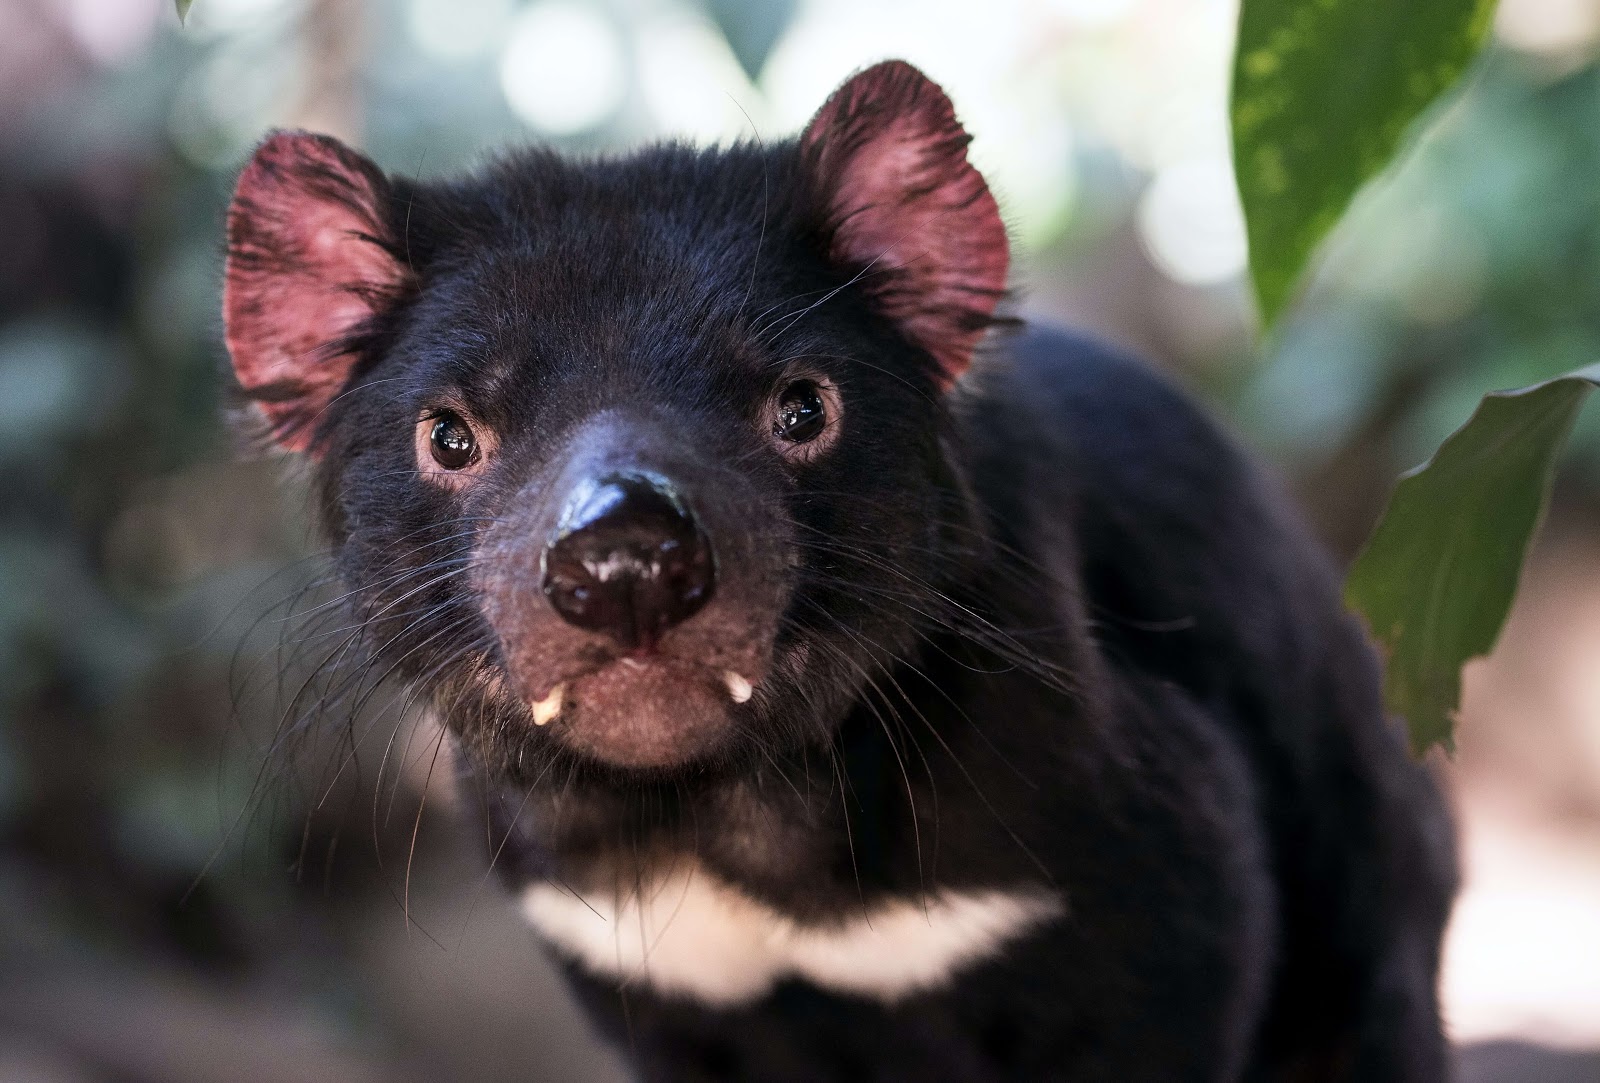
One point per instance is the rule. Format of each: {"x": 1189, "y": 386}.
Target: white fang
{"x": 550, "y": 706}
{"x": 690, "y": 933}
{"x": 739, "y": 688}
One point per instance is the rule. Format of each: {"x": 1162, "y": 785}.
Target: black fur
{"x": 1050, "y": 627}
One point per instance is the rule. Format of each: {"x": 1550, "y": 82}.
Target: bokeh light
{"x": 216, "y": 17}
{"x": 1189, "y": 218}
{"x": 458, "y": 29}
{"x": 692, "y": 82}
{"x": 113, "y": 30}
{"x": 564, "y": 69}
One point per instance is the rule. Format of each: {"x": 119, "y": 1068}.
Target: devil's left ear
{"x": 903, "y": 207}
{"x": 311, "y": 264}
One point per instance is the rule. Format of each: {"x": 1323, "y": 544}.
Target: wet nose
{"x": 628, "y": 560}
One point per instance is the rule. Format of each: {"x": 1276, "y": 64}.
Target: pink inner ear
{"x": 306, "y": 269}
{"x": 891, "y": 159}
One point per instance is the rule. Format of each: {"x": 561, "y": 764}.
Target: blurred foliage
{"x": 1475, "y": 264}
{"x": 1323, "y": 91}
{"x": 1436, "y": 581}
{"x": 1472, "y": 268}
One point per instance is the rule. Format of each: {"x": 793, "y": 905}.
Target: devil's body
{"x": 849, "y": 708}
{"x": 1254, "y": 876}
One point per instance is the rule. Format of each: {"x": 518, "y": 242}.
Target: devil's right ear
{"x": 311, "y": 263}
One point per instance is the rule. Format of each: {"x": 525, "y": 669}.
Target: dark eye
{"x": 453, "y": 443}
{"x": 801, "y": 414}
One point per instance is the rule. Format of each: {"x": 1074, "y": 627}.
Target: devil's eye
{"x": 801, "y": 413}
{"x": 452, "y": 441}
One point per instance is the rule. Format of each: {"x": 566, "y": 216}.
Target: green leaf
{"x": 183, "y": 9}
{"x": 1323, "y": 91}
{"x": 1438, "y": 575}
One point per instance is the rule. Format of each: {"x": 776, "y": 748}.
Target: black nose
{"x": 628, "y": 560}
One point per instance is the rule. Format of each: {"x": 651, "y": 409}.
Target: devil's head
{"x": 645, "y": 462}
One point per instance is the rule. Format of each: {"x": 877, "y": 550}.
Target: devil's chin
{"x": 645, "y": 715}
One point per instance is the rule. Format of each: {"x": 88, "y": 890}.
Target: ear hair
{"x": 311, "y": 265}
{"x": 901, "y": 204}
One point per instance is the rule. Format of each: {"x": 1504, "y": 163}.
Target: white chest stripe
{"x": 694, "y": 934}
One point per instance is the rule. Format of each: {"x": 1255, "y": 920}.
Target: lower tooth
{"x": 738, "y": 687}
{"x": 549, "y": 707}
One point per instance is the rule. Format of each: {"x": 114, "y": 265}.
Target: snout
{"x": 635, "y": 585}
{"x": 629, "y": 560}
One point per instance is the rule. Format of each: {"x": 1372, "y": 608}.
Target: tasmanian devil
{"x": 863, "y": 686}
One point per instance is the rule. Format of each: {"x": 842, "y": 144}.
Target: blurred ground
{"x": 1524, "y": 947}
{"x": 183, "y": 900}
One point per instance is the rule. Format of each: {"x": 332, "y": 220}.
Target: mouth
{"x": 545, "y": 711}
{"x": 656, "y": 711}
